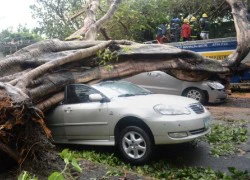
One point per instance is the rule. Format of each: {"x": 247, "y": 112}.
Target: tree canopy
{"x": 54, "y": 17}
{"x": 134, "y": 19}
{"x": 11, "y": 41}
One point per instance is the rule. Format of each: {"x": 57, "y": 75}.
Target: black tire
{"x": 138, "y": 144}
{"x": 197, "y": 94}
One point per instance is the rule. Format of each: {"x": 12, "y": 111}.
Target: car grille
{"x": 198, "y": 131}
{"x": 197, "y": 108}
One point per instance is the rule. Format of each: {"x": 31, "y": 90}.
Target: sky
{"x": 15, "y": 12}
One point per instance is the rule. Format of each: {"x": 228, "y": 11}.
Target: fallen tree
{"x": 32, "y": 80}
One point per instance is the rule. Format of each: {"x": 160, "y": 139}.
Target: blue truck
{"x": 218, "y": 49}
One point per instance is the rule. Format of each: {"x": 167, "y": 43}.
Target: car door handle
{"x": 156, "y": 74}
{"x": 68, "y": 110}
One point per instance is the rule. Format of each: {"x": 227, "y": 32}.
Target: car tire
{"x": 196, "y": 94}
{"x": 135, "y": 145}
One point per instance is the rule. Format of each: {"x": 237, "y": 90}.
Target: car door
{"x": 55, "y": 121}
{"x": 84, "y": 120}
{"x": 167, "y": 83}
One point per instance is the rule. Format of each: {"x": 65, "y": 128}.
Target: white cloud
{"x": 15, "y": 12}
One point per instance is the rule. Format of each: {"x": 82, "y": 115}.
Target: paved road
{"x": 187, "y": 155}
{"x": 194, "y": 156}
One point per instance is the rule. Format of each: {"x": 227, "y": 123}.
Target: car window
{"x": 120, "y": 89}
{"x": 77, "y": 93}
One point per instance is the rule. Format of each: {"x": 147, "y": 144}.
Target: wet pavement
{"x": 198, "y": 156}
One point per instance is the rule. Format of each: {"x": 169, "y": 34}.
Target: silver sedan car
{"x": 132, "y": 118}
{"x": 160, "y": 82}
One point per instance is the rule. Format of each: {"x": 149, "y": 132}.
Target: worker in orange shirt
{"x": 185, "y": 30}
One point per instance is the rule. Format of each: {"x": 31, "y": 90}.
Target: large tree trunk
{"x": 39, "y": 73}
{"x": 242, "y": 25}
{"x": 91, "y": 26}
{"x": 33, "y": 79}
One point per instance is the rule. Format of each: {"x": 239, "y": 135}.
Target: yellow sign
{"x": 219, "y": 55}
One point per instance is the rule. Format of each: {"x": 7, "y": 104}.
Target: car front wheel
{"x": 196, "y": 94}
{"x": 135, "y": 145}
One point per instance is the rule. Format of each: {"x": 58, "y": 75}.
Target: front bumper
{"x": 217, "y": 95}
{"x": 170, "y": 140}
{"x": 193, "y": 125}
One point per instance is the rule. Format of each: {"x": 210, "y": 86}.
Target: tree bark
{"x": 91, "y": 26}
{"x": 242, "y": 26}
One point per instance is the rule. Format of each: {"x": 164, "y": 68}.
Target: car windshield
{"x": 120, "y": 89}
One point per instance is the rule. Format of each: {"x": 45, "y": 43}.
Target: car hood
{"x": 154, "y": 99}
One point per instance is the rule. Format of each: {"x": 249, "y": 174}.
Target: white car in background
{"x": 163, "y": 83}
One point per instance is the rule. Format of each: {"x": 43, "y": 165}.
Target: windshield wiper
{"x": 126, "y": 95}
{"x": 144, "y": 93}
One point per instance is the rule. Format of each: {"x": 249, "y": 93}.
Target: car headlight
{"x": 171, "y": 110}
{"x": 215, "y": 85}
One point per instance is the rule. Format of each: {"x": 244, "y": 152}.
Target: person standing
{"x": 194, "y": 29}
{"x": 204, "y": 25}
{"x": 185, "y": 30}
{"x": 161, "y": 33}
{"x": 175, "y": 29}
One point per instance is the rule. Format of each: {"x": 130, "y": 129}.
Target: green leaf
{"x": 76, "y": 165}
{"x": 23, "y": 176}
{"x": 56, "y": 176}
{"x": 26, "y": 176}
{"x": 66, "y": 160}
{"x": 224, "y": 138}
{"x": 64, "y": 153}
{"x": 232, "y": 169}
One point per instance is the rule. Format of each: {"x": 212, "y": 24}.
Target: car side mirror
{"x": 95, "y": 97}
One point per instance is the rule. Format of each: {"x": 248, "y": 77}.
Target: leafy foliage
{"x": 56, "y": 176}
{"x": 236, "y": 173}
{"x": 11, "y": 41}
{"x": 69, "y": 159}
{"x": 106, "y": 57}
{"x": 161, "y": 169}
{"x": 22, "y": 34}
{"x": 224, "y": 138}
{"x": 137, "y": 19}
{"x": 54, "y": 17}
{"x": 26, "y": 176}
{"x": 134, "y": 20}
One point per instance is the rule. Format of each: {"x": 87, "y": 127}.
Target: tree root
{"x": 20, "y": 126}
